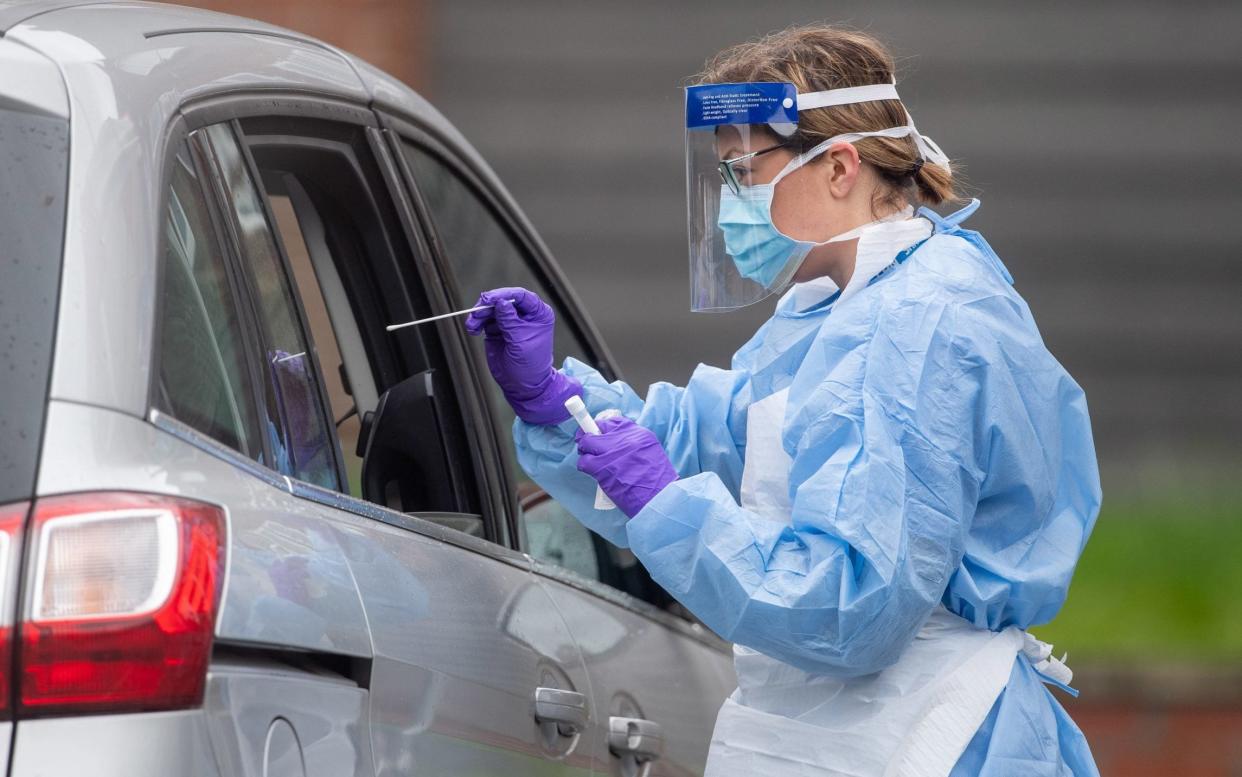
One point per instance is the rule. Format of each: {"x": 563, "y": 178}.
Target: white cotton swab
{"x": 393, "y": 327}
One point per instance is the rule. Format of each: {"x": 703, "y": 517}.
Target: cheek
{"x": 799, "y": 208}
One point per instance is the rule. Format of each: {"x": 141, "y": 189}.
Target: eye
{"x": 741, "y": 172}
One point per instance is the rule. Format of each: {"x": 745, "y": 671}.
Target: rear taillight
{"x": 120, "y": 605}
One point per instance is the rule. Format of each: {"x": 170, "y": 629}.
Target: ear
{"x": 842, "y": 166}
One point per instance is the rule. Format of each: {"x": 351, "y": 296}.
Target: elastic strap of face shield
{"x": 872, "y": 93}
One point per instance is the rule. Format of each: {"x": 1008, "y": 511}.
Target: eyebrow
{"x": 728, "y": 155}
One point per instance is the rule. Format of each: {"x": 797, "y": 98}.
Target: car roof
{"x": 129, "y": 26}
{"x": 141, "y": 17}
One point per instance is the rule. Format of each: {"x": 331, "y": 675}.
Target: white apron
{"x": 913, "y": 718}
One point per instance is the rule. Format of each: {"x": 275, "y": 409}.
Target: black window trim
{"x": 333, "y": 499}
{"x": 503, "y": 494}
{"x": 397, "y": 131}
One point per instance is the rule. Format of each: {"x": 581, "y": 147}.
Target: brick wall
{"x": 1160, "y": 741}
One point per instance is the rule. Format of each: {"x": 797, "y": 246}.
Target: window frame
{"x": 539, "y": 261}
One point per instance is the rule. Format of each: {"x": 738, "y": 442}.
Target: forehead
{"x": 736, "y": 139}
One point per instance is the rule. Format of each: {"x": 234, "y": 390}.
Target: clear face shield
{"x": 739, "y": 146}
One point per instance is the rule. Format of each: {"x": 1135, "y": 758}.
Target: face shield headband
{"x": 865, "y": 94}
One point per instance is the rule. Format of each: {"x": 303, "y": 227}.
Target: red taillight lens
{"x": 123, "y": 591}
{"x": 12, "y": 517}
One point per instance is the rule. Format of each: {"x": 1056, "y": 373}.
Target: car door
{"x": 473, "y": 670}
{"x": 291, "y": 639}
{"x": 656, "y": 677}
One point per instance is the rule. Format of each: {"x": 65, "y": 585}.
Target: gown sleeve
{"x": 701, "y": 426}
{"x": 883, "y": 486}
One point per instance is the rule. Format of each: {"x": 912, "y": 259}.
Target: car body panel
{"x": 149, "y": 744}
{"x": 461, "y": 642}
{"x": 288, "y": 583}
{"x": 31, "y": 81}
{"x": 642, "y": 668}
{"x": 269, "y": 721}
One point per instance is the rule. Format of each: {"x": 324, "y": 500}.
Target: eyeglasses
{"x": 727, "y": 174}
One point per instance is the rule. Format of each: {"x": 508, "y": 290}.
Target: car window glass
{"x": 301, "y": 439}
{"x": 344, "y": 413}
{"x": 485, "y": 255}
{"x": 202, "y": 372}
{"x": 34, "y": 158}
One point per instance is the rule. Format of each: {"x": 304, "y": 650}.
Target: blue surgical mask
{"x": 761, "y": 252}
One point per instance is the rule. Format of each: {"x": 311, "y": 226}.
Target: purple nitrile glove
{"x": 517, "y": 337}
{"x": 627, "y": 461}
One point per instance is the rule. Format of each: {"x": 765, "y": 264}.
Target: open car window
{"x": 392, "y": 408}
{"x": 484, "y": 250}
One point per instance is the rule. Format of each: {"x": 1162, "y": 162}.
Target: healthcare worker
{"x": 894, "y": 479}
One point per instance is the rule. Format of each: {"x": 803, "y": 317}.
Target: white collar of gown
{"x": 878, "y": 246}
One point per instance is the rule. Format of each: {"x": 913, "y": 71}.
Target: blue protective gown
{"x": 940, "y": 455}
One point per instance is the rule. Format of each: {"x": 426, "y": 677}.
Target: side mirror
{"x": 405, "y": 461}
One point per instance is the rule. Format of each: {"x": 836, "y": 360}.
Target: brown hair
{"x": 818, "y": 57}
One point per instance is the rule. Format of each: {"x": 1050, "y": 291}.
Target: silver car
{"x": 245, "y": 530}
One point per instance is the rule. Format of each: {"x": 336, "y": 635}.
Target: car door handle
{"x": 636, "y": 737}
{"x": 567, "y": 710}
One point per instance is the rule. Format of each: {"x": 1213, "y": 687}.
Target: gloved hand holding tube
{"x": 627, "y": 461}
{"x": 517, "y": 329}
{"x": 578, "y": 409}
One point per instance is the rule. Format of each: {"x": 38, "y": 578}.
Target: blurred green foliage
{"x": 1161, "y": 578}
